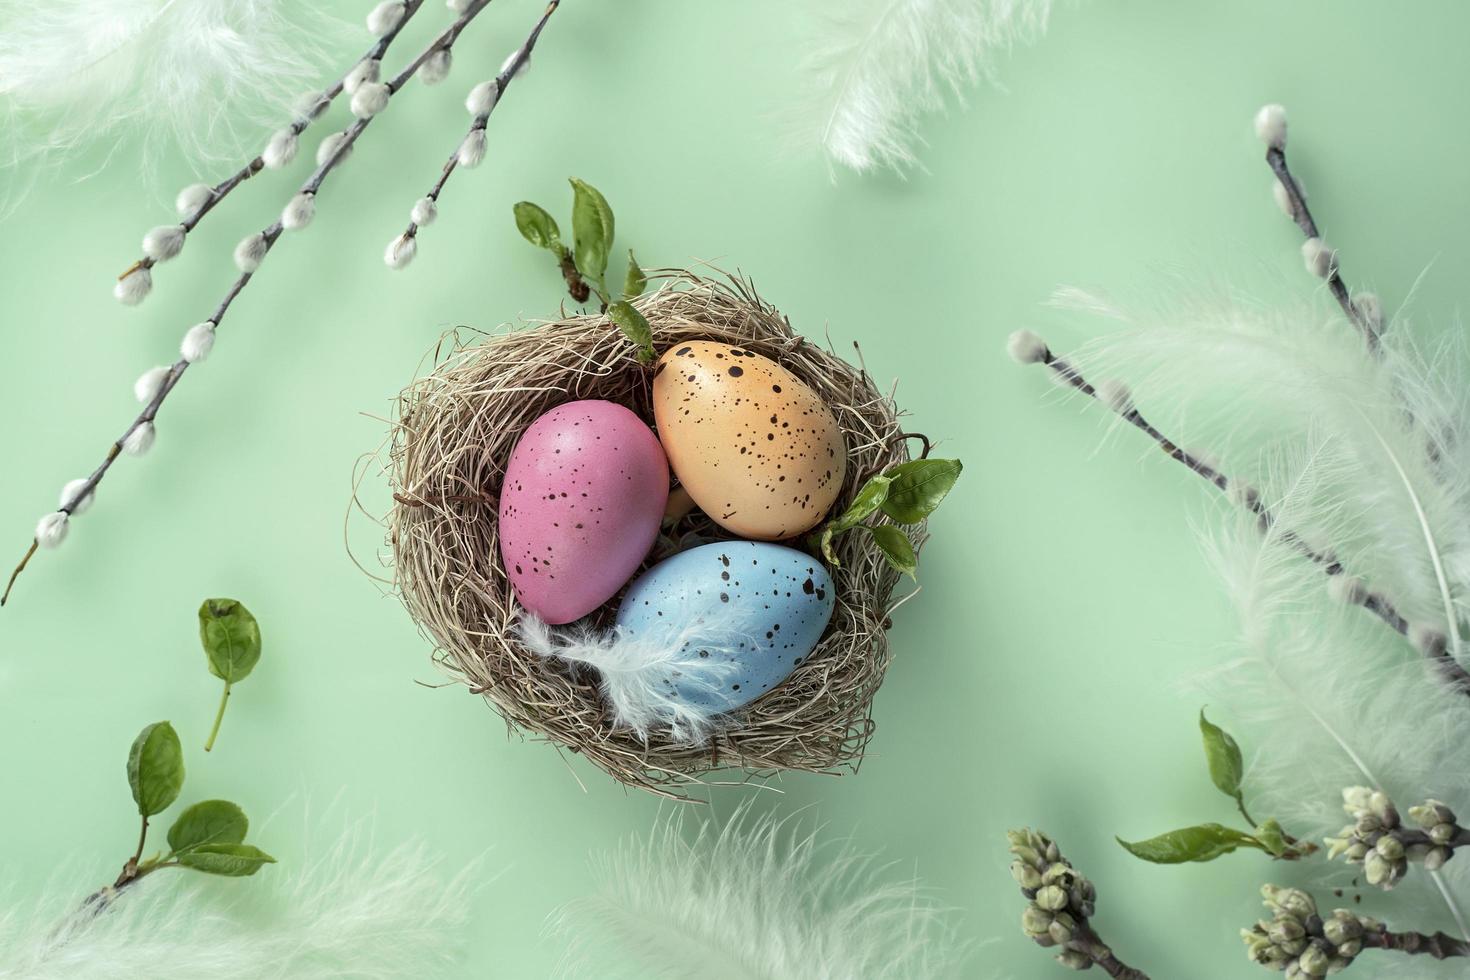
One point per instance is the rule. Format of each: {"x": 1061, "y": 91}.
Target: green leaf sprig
{"x": 208, "y": 836}
{"x": 231, "y": 640}
{"x": 1207, "y": 841}
{"x": 584, "y": 265}
{"x": 908, "y": 493}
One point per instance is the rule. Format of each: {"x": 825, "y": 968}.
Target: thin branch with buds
{"x": 199, "y": 200}
{"x": 470, "y": 151}
{"x": 139, "y": 435}
{"x": 1321, "y": 260}
{"x": 1027, "y": 348}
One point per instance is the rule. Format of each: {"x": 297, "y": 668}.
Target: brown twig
{"x": 1438, "y": 946}
{"x": 512, "y": 67}
{"x": 1374, "y": 602}
{"x": 1302, "y": 215}
{"x": 308, "y": 115}
{"x": 271, "y": 234}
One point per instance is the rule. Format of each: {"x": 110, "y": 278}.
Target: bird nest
{"x": 451, "y": 439}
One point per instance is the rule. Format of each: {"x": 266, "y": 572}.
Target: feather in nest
{"x": 350, "y": 911}
{"x": 760, "y": 899}
{"x": 877, "y": 67}
{"x": 200, "y": 76}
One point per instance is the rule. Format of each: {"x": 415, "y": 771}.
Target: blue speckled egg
{"x": 760, "y": 607}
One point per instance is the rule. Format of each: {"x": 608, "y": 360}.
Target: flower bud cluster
{"x": 1383, "y": 844}
{"x": 1061, "y": 899}
{"x": 1299, "y": 942}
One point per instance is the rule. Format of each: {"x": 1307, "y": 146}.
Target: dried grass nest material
{"x": 452, "y": 435}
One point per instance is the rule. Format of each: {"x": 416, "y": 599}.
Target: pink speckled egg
{"x": 583, "y": 496}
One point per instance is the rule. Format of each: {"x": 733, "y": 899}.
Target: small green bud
{"x": 1074, "y": 960}
{"x": 1025, "y": 875}
{"x": 1376, "y": 868}
{"x": 1424, "y": 816}
{"x": 1350, "y": 949}
{"x": 1342, "y": 927}
{"x": 1390, "y": 848}
{"x": 1356, "y": 851}
{"x": 1314, "y": 961}
{"x": 1058, "y": 874}
{"x": 1336, "y": 846}
{"x": 1292, "y": 901}
{"x": 1383, "y": 809}
{"x": 1060, "y": 931}
{"x": 1367, "y": 825}
{"x": 1028, "y": 855}
{"x": 1442, "y": 833}
{"x": 1356, "y": 799}
{"x": 1052, "y": 898}
{"x": 1035, "y": 922}
{"x": 1053, "y": 853}
{"x": 1285, "y": 930}
{"x": 1436, "y": 858}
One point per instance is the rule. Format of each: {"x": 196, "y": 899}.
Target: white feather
{"x": 879, "y": 66}
{"x": 203, "y": 76}
{"x": 760, "y": 899}
{"x": 639, "y": 673}
{"x": 347, "y": 912}
{"x": 1398, "y": 424}
{"x": 1327, "y": 698}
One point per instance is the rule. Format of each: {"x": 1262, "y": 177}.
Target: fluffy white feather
{"x": 201, "y": 75}
{"x": 1328, "y": 699}
{"x": 347, "y": 912}
{"x": 1243, "y": 380}
{"x": 760, "y": 899}
{"x": 879, "y": 66}
{"x": 638, "y": 673}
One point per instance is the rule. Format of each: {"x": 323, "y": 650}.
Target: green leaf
{"x": 635, "y": 282}
{"x": 156, "y": 768}
{"x": 634, "y": 326}
{"x": 537, "y": 227}
{"x": 1223, "y": 756}
{"x": 208, "y": 822}
{"x": 231, "y": 639}
{"x": 867, "y": 501}
{"x": 919, "y": 487}
{"x": 825, "y": 539}
{"x": 1272, "y": 838}
{"x": 231, "y": 860}
{"x": 897, "y": 548}
{"x": 1203, "y": 843}
{"x": 592, "y": 229}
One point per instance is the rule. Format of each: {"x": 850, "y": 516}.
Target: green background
{"x": 1063, "y": 592}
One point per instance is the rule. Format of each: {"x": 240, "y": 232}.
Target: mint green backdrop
{"x": 1063, "y": 593}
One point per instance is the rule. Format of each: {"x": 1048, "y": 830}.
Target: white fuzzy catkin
{"x": 164, "y": 242}
{"x": 400, "y": 251}
{"x": 68, "y": 498}
{"x": 385, "y": 17}
{"x": 299, "y": 211}
{"x": 310, "y": 106}
{"x": 1271, "y": 126}
{"x": 198, "y": 342}
{"x": 482, "y": 98}
{"x": 366, "y": 70}
{"x": 424, "y": 211}
{"x": 1370, "y": 308}
{"x": 140, "y": 439}
{"x": 1283, "y": 199}
{"x": 280, "y": 150}
{"x": 1347, "y": 589}
{"x": 51, "y": 529}
{"x": 150, "y": 383}
{"x": 191, "y": 199}
{"x": 1319, "y": 258}
{"x": 510, "y": 60}
{"x": 436, "y": 67}
{"x": 134, "y": 287}
{"x": 472, "y": 150}
{"x": 370, "y": 99}
{"x": 458, "y": 6}
{"x": 251, "y": 252}
{"x": 327, "y": 149}
{"x": 1115, "y": 395}
{"x": 1026, "y": 348}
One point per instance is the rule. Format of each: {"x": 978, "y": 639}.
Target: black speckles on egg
{"x": 755, "y": 447}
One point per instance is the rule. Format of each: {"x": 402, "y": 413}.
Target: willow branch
{"x": 470, "y": 149}
{"x": 268, "y": 238}
{"x": 1246, "y": 496}
{"x": 308, "y": 114}
{"x": 1438, "y": 946}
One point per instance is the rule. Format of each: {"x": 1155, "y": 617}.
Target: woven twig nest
{"x": 453, "y": 434}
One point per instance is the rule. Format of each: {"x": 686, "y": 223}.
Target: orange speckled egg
{"x": 754, "y": 446}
